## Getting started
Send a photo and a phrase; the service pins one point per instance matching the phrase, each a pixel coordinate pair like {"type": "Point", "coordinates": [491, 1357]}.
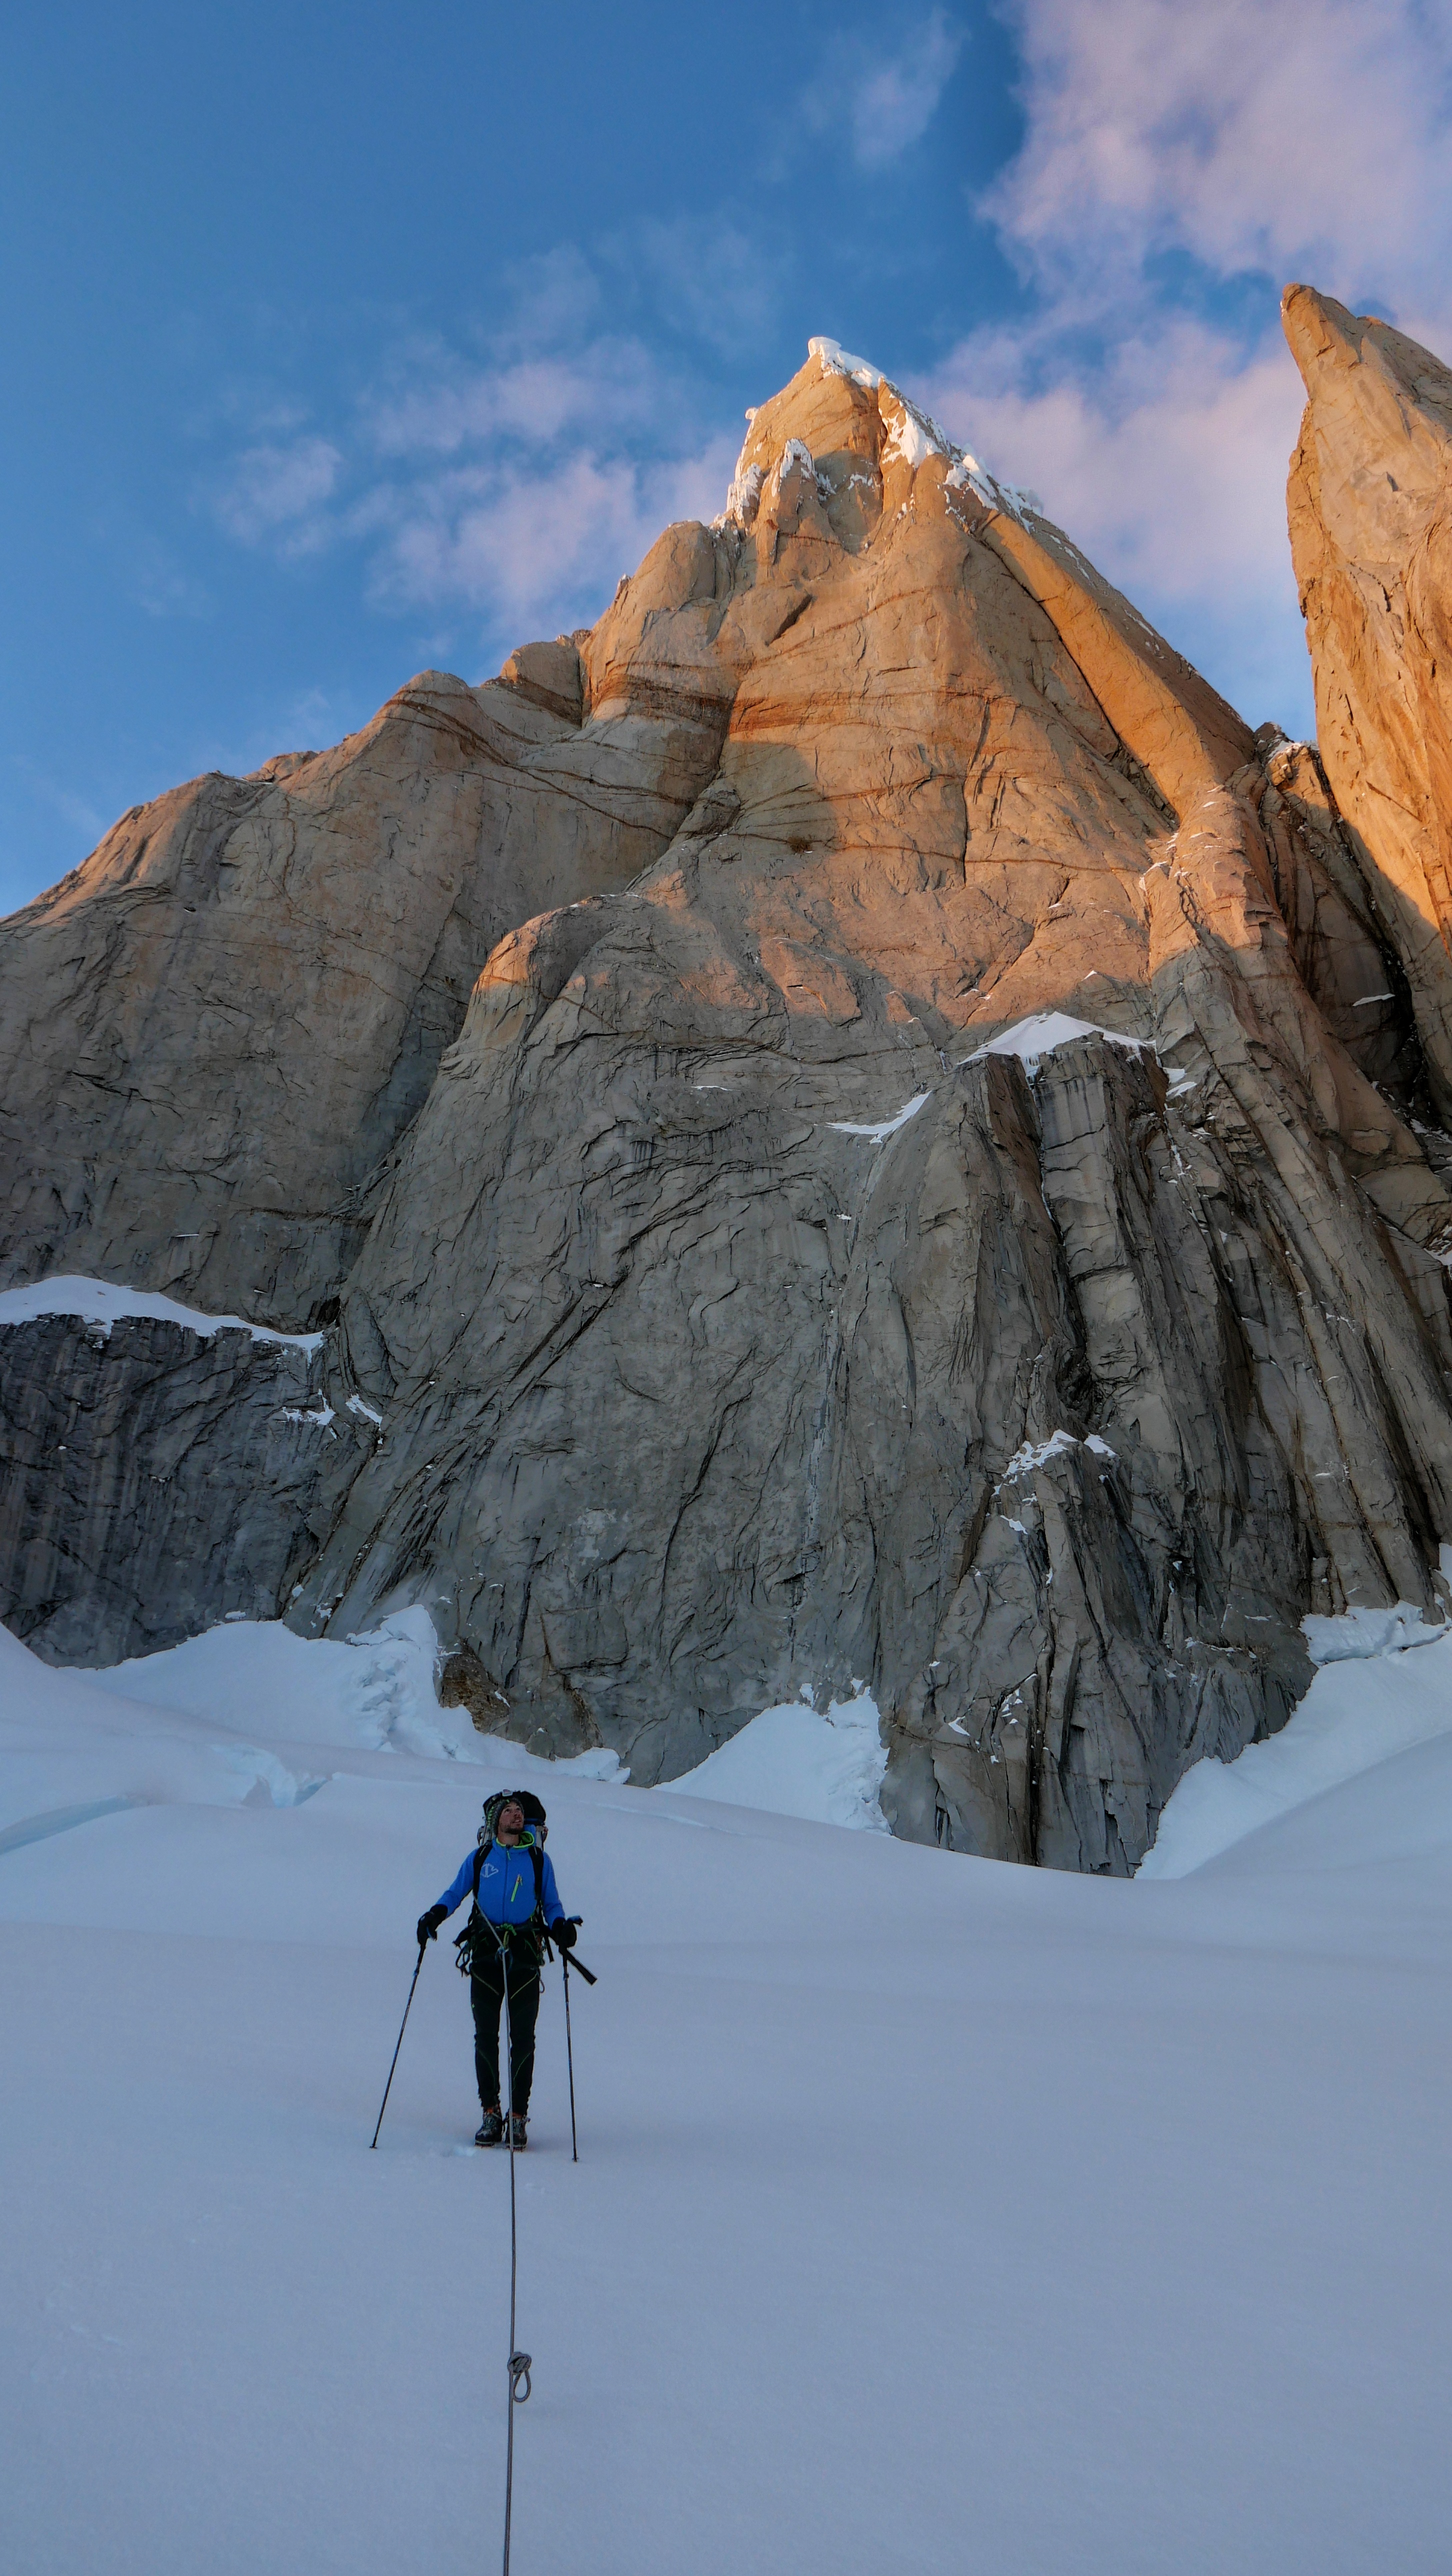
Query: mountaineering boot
{"type": "Point", "coordinates": [519, 2129]}
{"type": "Point", "coordinates": [490, 2131]}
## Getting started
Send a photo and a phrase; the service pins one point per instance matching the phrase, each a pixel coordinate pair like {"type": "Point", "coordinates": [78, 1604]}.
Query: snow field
{"type": "Point", "coordinates": [790, 1761]}
{"type": "Point", "coordinates": [931, 2213]}
{"type": "Point", "coordinates": [1372, 1698]}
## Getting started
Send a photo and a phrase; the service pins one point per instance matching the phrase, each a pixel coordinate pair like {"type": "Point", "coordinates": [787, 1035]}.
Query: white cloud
{"type": "Point", "coordinates": [516, 486]}
{"type": "Point", "coordinates": [153, 573]}
{"type": "Point", "coordinates": [276, 492]}
{"type": "Point", "coordinates": [885, 102]}
{"type": "Point", "coordinates": [894, 102]}
{"type": "Point", "coordinates": [439, 403]}
{"type": "Point", "coordinates": [708, 277]}
{"type": "Point", "coordinates": [524, 487]}
{"type": "Point", "coordinates": [537, 547]}
{"type": "Point", "coordinates": [1119, 456]}
{"type": "Point", "coordinates": [1277, 135]}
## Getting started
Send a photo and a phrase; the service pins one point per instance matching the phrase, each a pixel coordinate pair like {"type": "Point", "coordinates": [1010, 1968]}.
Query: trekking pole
{"type": "Point", "coordinates": [570, 2059]}
{"type": "Point", "coordinates": [402, 2027]}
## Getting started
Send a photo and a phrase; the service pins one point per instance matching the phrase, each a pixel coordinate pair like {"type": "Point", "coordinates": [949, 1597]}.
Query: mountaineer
{"type": "Point", "coordinates": [516, 1910]}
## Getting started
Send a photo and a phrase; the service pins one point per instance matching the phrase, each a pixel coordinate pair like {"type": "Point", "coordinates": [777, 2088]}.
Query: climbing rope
{"type": "Point", "coordinates": [520, 2363]}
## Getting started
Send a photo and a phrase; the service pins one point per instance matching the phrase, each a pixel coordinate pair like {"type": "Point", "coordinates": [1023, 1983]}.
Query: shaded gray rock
{"type": "Point", "coordinates": [1044, 1413]}
{"type": "Point", "coordinates": [154, 1480]}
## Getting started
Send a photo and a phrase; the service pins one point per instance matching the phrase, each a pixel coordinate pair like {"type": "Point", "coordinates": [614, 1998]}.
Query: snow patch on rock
{"type": "Point", "coordinates": [837, 361]}
{"type": "Point", "coordinates": [1058, 1445]}
{"type": "Point", "coordinates": [1032, 1039]}
{"type": "Point", "coordinates": [743, 497]}
{"type": "Point", "coordinates": [914, 437]}
{"type": "Point", "coordinates": [99, 1305]}
{"type": "Point", "coordinates": [1358, 1634]}
{"type": "Point", "coordinates": [879, 1134]}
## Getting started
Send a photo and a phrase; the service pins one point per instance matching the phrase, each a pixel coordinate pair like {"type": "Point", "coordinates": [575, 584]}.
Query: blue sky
{"type": "Point", "coordinates": [342, 341]}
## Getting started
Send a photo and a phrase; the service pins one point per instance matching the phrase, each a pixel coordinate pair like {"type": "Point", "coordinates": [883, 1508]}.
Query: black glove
{"type": "Point", "coordinates": [428, 1924]}
{"type": "Point", "coordinates": [563, 1933]}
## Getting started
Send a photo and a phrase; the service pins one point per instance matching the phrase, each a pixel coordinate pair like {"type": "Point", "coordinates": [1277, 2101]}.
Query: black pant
{"type": "Point", "coordinates": [486, 1991]}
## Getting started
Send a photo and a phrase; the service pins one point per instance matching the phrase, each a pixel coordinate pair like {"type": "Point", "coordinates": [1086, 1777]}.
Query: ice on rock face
{"type": "Point", "coordinates": [1030, 1040]}
{"type": "Point", "coordinates": [743, 497]}
{"type": "Point", "coordinates": [911, 439]}
{"type": "Point", "coordinates": [914, 436]}
{"type": "Point", "coordinates": [969, 476]}
{"type": "Point", "coordinates": [1060, 1444]}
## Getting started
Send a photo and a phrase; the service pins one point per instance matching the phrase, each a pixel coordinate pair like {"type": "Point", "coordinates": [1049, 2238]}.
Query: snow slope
{"type": "Point", "coordinates": [931, 2214]}
{"type": "Point", "coordinates": [790, 1761]}
{"type": "Point", "coordinates": [1385, 1682]}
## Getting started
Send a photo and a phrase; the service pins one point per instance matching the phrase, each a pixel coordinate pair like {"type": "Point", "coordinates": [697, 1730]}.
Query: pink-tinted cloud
{"type": "Point", "coordinates": [530, 545]}
{"type": "Point", "coordinates": [1282, 135]}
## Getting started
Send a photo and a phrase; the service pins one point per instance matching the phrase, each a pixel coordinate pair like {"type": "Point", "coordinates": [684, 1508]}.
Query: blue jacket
{"type": "Point", "coordinates": [506, 1885]}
